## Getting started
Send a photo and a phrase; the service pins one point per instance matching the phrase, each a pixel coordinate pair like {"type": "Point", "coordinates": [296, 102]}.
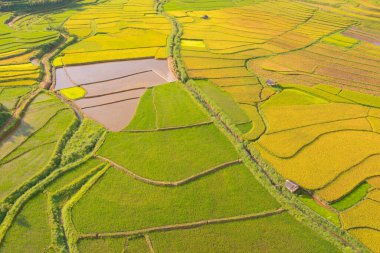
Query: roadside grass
{"type": "Point", "coordinates": [73, 93]}
{"type": "Point", "coordinates": [352, 198]}
{"type": "Point", "coordinates": [278, 233]}
{"type": "Point", "coordinates": [169, 155]}
{"type": "Point", "coordinates": [322, 211]}
{"type": "Point", "coordinates": [229, 192]}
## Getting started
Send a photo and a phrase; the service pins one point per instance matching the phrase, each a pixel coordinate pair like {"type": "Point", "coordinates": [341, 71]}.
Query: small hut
{"type": "Point", "coordinates": [291, 186]}
{"type": "Point", "coordinates": [205, 17]}
{"type": "Point", "coordinates": [271, 82]}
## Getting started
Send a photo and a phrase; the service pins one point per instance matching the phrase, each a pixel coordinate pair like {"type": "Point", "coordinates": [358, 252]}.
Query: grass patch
{"type": "Point", "coordinates": [228, 192]}
{"type": "Point", "coordinates": [169, 155]}
{"type": "Point", "coordinates": [279, 233]}
{"type": "Point", "coordinates": [322, 211]}
{"type": "Point", "coordinates": [352, 198]}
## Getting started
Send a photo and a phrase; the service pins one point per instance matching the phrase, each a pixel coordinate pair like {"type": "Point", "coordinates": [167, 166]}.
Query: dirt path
{"type": "Point", "coordinates": [169, 128]}
{"type": "Point", "coordinates": [166, 183]}
{"type": "Point", "coordinates": [184, 225]}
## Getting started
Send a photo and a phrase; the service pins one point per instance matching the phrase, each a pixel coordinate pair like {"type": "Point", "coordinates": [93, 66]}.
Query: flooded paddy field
{"type": "Point", "coordinates": [113, 89]}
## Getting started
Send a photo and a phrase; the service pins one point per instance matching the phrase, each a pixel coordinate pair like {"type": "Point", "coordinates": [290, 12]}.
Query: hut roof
{"type": "Point", "coordinates": [291, 186]}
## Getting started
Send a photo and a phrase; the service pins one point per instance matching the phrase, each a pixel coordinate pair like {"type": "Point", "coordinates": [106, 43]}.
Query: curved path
{"type": "Point", "coordinates": [184, 225]}
{"type": "Point", "coordinates": [166, 183]}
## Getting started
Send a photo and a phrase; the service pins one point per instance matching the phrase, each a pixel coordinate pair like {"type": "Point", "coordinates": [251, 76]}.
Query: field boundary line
{"type": "Point", "coordinates": [33, 134]}
{"type": "Point", "coordinates": [166, 183]}
{"type": "Point", "coordinates": [110, 103]}
{"type": "Point", "coordinates": [169, 128]}
{"type": "Point", "coordinates": [101, 81]}
{"type": "Point", "coordinates": [155, 109]}
{"type": "Point", "coordinates": [184, 225]}
{"type": "Point", "coordinates": [149, 242]}
{"type": "Point", "coordinates": [115, 92]}
{"type": "Point", "coordinates": [346, 171]}
{"type": "Point", "coordinates": [306, 145]}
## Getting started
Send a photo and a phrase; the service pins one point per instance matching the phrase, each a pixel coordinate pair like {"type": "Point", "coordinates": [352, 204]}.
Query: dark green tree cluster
{"type": "Point", "coordinates": [5, 114]}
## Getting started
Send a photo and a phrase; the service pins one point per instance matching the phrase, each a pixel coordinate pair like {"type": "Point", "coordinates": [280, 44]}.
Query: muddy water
{"type": "Point", "coordinates": [114, 117]}
{"type": "Point", "coordinates": [113, 89]}
{"type": "Point", "coordinates": [101, 72]}
{"type": "Point", "coordinates": [143, 80]}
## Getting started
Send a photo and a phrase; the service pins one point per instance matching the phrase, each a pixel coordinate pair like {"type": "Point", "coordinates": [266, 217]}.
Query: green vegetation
{"type": "Point", "coordinates": [4, 114]}
{"type": "Point", "coordinates": [229, 192]}
{"type": "Point", "coordinates": [169, 155]}
{"type": "Point", "coordinates": [82, 142]}
{"type": "Point", "coordinates": [352, 198]}
{"type": "Point", "coordinates": [68, 185]}
{"type": "Point", "coordinates": [250, 236]}
{"type": "Point", "coordinates": [145, 117]}
{"type": "Point", "coordinates": [223, 100]}
{"type": "Point", "coordinates": [176, 107]}
{"type": "Point", "coordinates": [323, 211]}
{"type": "Point", "coordinates": [109, 245]}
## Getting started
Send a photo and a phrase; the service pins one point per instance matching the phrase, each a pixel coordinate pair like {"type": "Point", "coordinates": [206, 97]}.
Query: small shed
{"type": "Point", "coordinates": [205, 17]}
{"type": "Point", "coordinates": [271, 82]}
{"type": "Point", "coordinates": [291, 186]}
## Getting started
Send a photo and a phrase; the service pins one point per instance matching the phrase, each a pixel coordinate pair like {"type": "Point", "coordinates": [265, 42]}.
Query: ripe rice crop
{"type": "Point", "coordinates": [350, 179]}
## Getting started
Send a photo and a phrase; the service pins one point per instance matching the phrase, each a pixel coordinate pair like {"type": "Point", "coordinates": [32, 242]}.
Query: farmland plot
{"type": "Point", "coordinates": [106, 89]}
{"type": "Point", "coordinates": [316, 127]}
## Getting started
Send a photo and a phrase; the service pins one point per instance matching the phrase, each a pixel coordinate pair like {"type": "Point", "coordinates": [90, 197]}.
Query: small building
{"type": "Point", "coordinates": [271, 82]}
{"type": "Point", "coordinates": [291, 186]}
{"type": "Point", "coordinates": [205, 17]}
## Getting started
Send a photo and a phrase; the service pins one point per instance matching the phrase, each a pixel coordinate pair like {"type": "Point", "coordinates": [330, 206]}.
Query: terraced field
{"type": "Point", "coordinates": [172, 126]}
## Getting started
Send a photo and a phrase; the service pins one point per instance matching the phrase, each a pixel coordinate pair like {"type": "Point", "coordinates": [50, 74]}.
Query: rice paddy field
{"type": "Point", "coordinates": [176, 126]}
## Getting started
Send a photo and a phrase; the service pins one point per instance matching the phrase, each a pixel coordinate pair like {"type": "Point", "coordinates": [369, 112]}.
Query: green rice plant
{"type": "Point", "coordinates": [229, 192]}
{"type": "Point", "coordinates": [10, 96]}
{"type": "Point", "coordinates": [145, 116]}
{"type": "Point", "coordinates": [257, 235]}
{"type": "Point", "coordinates": [175, 107]}
{"type": "Point", "coordinates": [138, 244]}
{"type": "Point", "coordinates": [352, 198]}
{"type": "Point", "coordinates": [323, 211]}
{"type": "Point", "coordinates": [30, 230]}
{"type": "Point", "coordinates": [169, 155]}
{"type": "Point", "coordinates": [111, 245]}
